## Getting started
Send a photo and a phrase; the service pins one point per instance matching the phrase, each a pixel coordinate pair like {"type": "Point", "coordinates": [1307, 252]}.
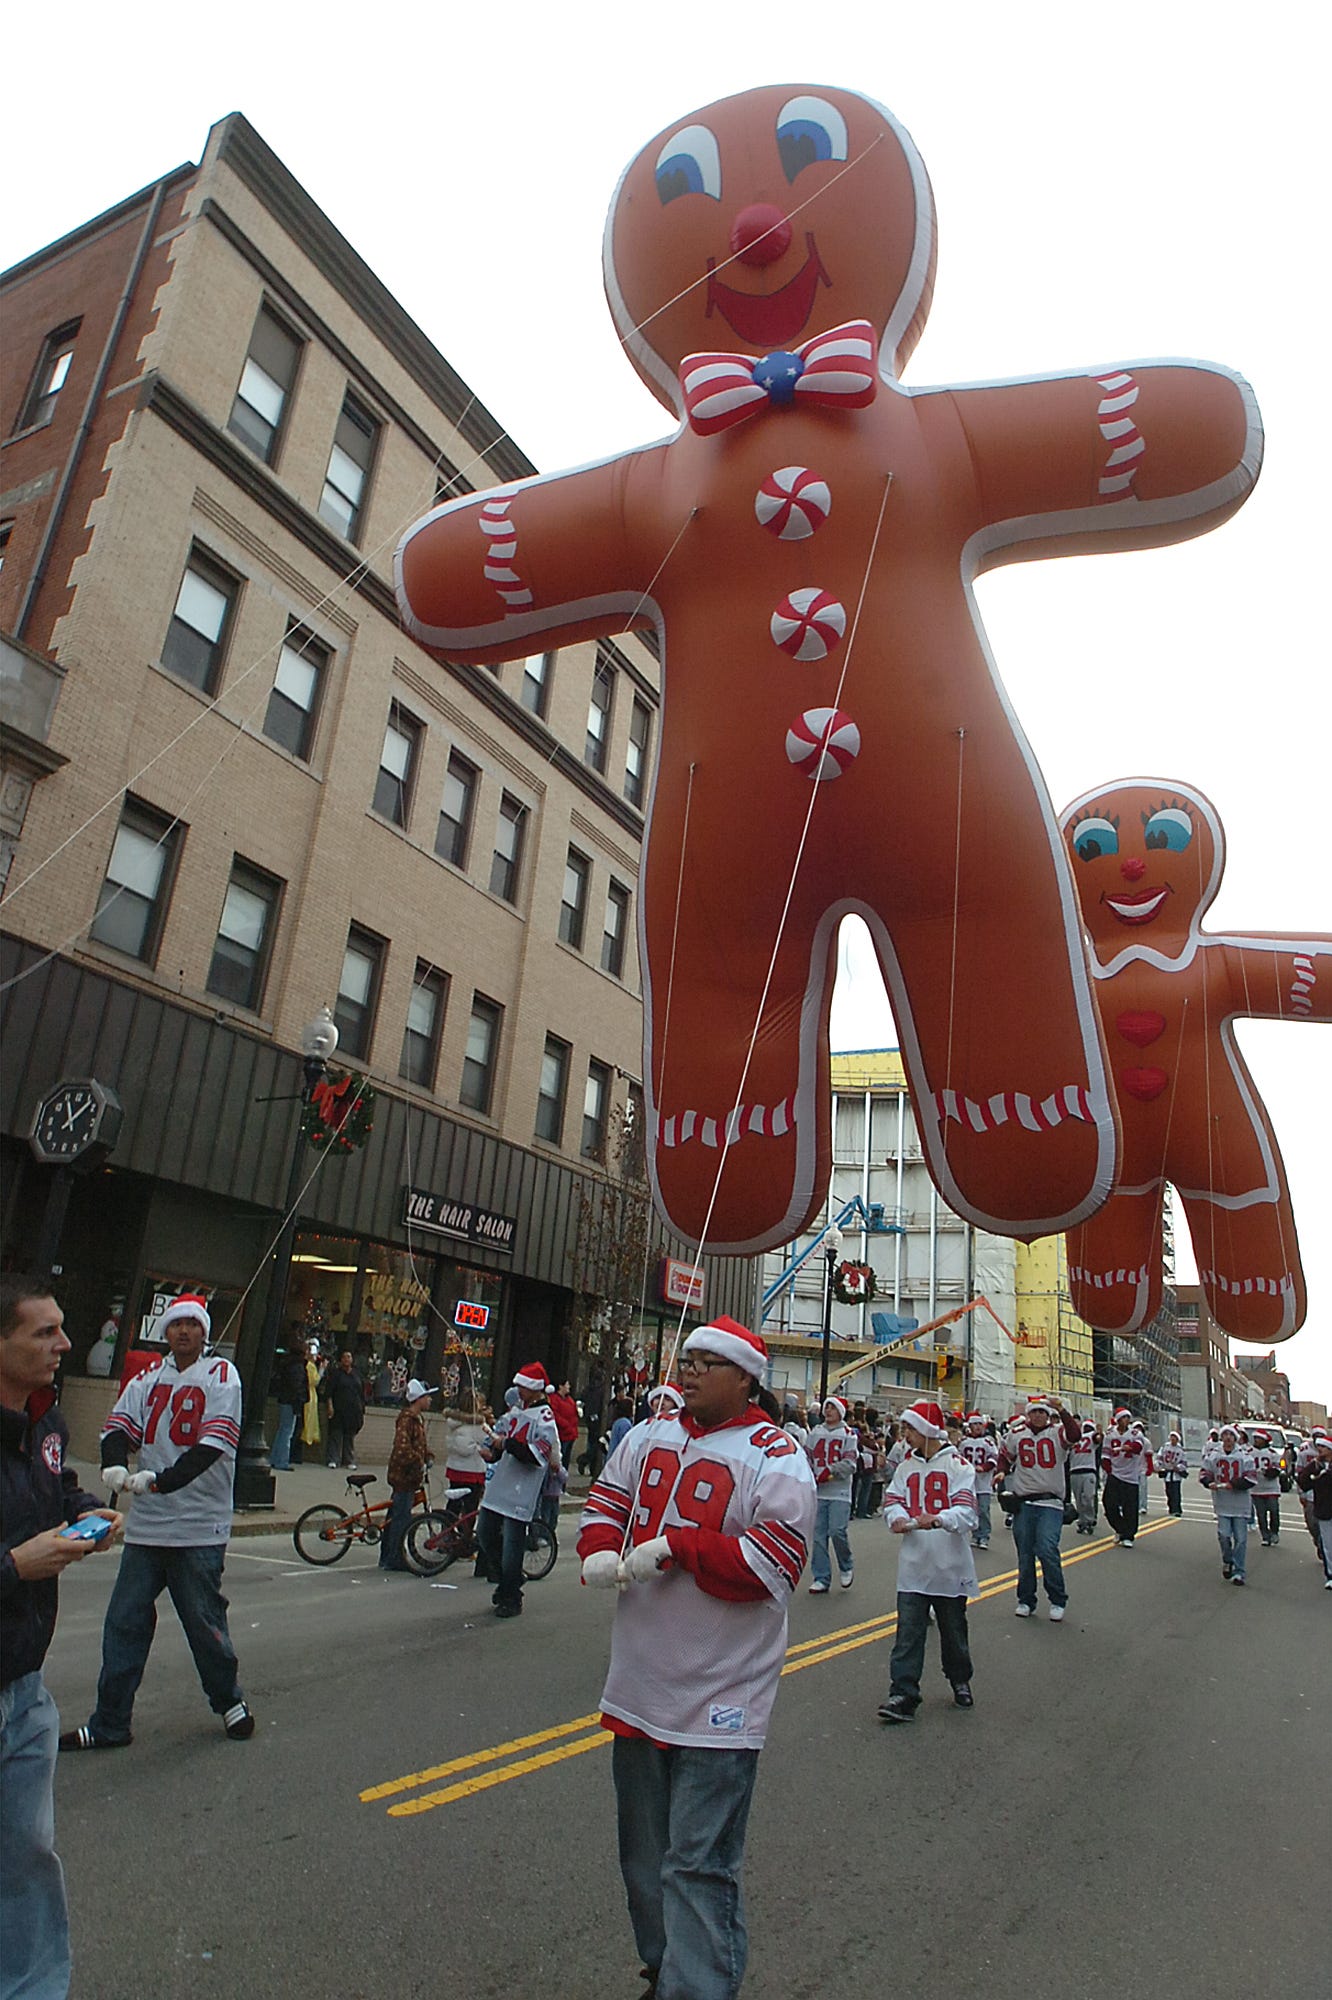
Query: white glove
{"type": "Point", "coordinates": [114, 1477]}
{"type": "Point", "coordinates": [601, 1570]}
{"type": "Point", "coordinates": [647, 1560]}
{"type": "Point", "coordinates": [140, 1482]}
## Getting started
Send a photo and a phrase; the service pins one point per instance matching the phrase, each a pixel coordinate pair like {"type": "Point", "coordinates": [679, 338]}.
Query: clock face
{"type": "Point", "coordinates": [67, 1122]}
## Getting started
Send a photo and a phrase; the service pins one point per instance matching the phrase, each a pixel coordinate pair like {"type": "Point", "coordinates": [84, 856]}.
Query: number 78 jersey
{"type": "Point", "coordinates": [163, 1413]}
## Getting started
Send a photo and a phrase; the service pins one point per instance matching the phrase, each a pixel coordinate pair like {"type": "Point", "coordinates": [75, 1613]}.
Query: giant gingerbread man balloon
{"type": "Point", "coordinates": [1147, 858]}
{"type": "Point", "coordinates": [834, 734]}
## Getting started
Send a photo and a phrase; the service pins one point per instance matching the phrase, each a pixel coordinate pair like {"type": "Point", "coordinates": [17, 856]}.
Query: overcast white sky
{"type": "Point", "coordinates": [1110, 186]}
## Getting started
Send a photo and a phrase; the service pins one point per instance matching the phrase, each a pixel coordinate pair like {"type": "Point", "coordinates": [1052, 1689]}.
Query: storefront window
{"type": "Point", "coordinates": [394, 1321]}
{"type": "Point", "coordinates": [322, 1292]}
{"type": "Point", "coordinates": [468, 1352]}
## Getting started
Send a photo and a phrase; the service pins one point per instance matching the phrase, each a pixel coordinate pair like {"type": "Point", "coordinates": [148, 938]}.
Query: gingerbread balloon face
{"type": "Point", "coordinates": [834, 737]}
{"type": "Point", "coordinates": [1147, 859]}
{"type": "Point", "coordinates": [762, 218]}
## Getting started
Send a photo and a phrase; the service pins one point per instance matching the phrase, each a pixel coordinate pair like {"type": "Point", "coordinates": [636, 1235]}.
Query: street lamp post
{"type": "Point", "coordinates": [832, 1249]}
{"type": "Point", "coordinates": [256, 1485]}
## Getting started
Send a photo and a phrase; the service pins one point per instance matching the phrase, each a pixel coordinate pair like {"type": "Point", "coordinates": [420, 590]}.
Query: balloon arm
{"type": "Point", "coordinates": [544, 563]}
{"type": "Point", "coordinates": [1286, 978]}
{"type": "Point", "coordinates": [1186, 435]}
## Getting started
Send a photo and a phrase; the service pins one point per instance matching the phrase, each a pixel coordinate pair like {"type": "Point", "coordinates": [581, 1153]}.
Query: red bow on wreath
{"type": "Point", "coordinates": [332, 1101]}
{"type": "Point", "coordinates": [854, 1284]}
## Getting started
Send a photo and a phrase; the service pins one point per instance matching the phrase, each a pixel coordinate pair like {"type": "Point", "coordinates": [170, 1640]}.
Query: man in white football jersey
{"type": "Point", "coordinates": [1084, 1475]}
{"type": "Point", "coordinates": [523, 1446]}
{"type": "Point", "coordinates": [1228, 1469]}
{"type": "Point", "coordinates": [1034, 1464]}
{"type": "Point", "coordinates": [1172, 1462]}
{"type": "Point", "coordinates": [833, 1449]}
{"type": "Point", "coordinates": [981, 1452]}
{"type": "Point", "coordinates": [704, 1521]}
{"type": "Point", "coordinates": [1267, 1488]}
{"type": "Point", "coordinates": [1126, 1460]}
{"type": "Point", "coordinates": [931, 1504]}
{"type": "Point", "coordinates": [182, 1418]}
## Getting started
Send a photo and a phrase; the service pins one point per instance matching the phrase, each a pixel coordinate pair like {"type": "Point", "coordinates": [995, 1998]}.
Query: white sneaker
{"type": "Point", "coordinates": [818, 1590]}
{"type": "Point", "coordinates": [846, 1578]}
{"type": "Point", "coordinates": [1056, 1613]}
{"type": "Point", "coordinates": [1022, 1611]}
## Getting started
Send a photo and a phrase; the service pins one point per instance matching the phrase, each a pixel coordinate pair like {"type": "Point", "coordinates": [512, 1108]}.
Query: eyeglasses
{"type": "Point", "coordinates": [702, 1364]}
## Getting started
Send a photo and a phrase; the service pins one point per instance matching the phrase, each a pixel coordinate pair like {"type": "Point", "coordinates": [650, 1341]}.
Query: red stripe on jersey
{"type": "Point", "coordinates": [613, 1498]}
{"type": "Point", "coordinates": [782, 1559]}
{"type": "Point", "coordinates": [121, 1422]}
{"type": "Point", "coordinates": [785, 1537]}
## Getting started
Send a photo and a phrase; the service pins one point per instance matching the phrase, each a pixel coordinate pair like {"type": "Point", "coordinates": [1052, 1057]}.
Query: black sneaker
{"type": "Point", "coordinates": [963, 1697]}
{"type": "Point", "coordinates": [83, 1739]}
{"type": "Point", "coordinates": [238, 1721]}
{"type": "Point", "coordinates": [1227, 1572]}
{"type": "Point", "coordinates": [897, 1709]}
{"type": "Point", "coordinates": [508, 1610]}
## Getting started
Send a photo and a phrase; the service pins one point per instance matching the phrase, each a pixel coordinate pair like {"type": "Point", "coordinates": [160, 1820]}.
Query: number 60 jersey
{"type": "Point", "coordinates": [164, 1413]}
{"type": "Point", "coordinates": [696, 1651]}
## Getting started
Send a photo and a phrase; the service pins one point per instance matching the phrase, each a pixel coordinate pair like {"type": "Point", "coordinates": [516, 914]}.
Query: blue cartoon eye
{"type": "Point", "coordinates": [1170, 828]}
{"type": "Point", "coordinates": [808, 129]}
{"type": "Point", "coordinates": [1095, 837]}
{"type": "Point", "coordinates": [689, 163]}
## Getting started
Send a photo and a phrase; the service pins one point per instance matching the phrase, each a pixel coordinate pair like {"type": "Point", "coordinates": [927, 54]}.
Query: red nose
{"type": "Point", "coordinates": [760, 234]}
{"type": "Point", "coordinates": [1132, 869]}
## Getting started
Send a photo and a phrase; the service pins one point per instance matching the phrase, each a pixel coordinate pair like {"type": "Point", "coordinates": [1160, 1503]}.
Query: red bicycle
{"type": "Point", "coordinates": [436, 1539]}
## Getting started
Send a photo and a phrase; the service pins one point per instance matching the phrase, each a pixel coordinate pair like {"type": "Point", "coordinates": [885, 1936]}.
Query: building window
{"type": "Point", "coordinates": [534, 692]}
{"type": "Point", "coordinates": [197, 635]}
{"type": "Point", "coordinates": [294, 702]}
{"type": "Point", "coordinates": [636, 761]}
{"type": "Point", "coordinates": [265, 385]}
{"type": "Point", "coordinates": [425, 1021]}
{"type": "Point", "coordinates": [397, 766]}
{"type": "Point", "coordinates": [599, 716]}
{"type": "Point", "coordinates": [507, 861]}
{"type": "Point", "coordinates": [617, 929]}
{"type": "Point", "coordinates": [551, 1091]}
{"type": "Point", "coordinates": [573, 909]}
{"type": "Point", "coordinates": [478, 1072]}
{"type": "Point", "coordinates": [52, 369]}
{"type": "Point", "coordinates": [596, 1107]}
{"type": "Point", "coordinates": [358, 992]}
{"type": "Point", "coordinates": [132, 905]}
{"type": "Point", "coordinates": [245, 936]}
{"type": "Point", "coordinates": [6, 530]}
{"type": "Point", "coordinates": [453, 835]}
{"type": "Point", "coordinates": [342, 501]}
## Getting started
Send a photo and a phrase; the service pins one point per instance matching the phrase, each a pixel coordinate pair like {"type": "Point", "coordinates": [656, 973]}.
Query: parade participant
{"type": "Point", "coordinates": [1172, 1462]}
{"type": "Point", "coordinates": [1139, 1430]}
{"type": "Point", "coordinates": [40, 1500]}
{"type": "Point", "coordinates": [464, 1432]}
{"type": "Point", "coordinates": [406, 1469]}
{"type": "Point", "coordinates": [522, 1448]}
{"type": "Point", "coordinates": [1126, 1461]}
{"type": "Point", "coordinates": [1314, 1480]}
{"type": "Point", "coordinates": [718, 1507]}
{"type": "Point", "coordinates": [182, 1418]}
{"type": "Point", "coordinates": [931, 1504]}
{"type": "Point", "coordinates": [834, 1452]}
{"type": "Point", "coordinates": [1305, 1456]}
{"type": "Point", "coordinates": [982, 1455]}
{"type": "Point", "coordinates": [1267, 1488]}
{"type": "Point", "coordinates": [1034, 1462]}
{"type": "Point", "coordinates": [1228, 1469]}
{"type": "Point", "coordinates": [666, 1400]}
{"type": "Point", "coordinates": [1084, 1475]}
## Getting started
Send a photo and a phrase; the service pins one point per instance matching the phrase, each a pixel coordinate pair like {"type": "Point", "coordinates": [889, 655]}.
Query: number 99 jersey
{"type": "Point", "coordinates": [164, 1413]}
{"type": "Point", "coordinates": [689, 1665]}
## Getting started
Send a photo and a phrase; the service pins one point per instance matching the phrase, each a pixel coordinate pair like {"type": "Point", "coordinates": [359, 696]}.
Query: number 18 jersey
{"type": "Point", "coordinates": [163, 1413]}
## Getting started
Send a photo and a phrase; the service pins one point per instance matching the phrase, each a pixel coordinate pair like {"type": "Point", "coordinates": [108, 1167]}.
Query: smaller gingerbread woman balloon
{"type": "Point", "coordinates": [1147, 858]}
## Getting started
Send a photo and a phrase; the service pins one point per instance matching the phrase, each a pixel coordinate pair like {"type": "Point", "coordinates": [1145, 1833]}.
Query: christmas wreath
{"type": "Point", "coordinates": [339, 1116]}
{"type": "Point", "coordinates": [853, 1284]}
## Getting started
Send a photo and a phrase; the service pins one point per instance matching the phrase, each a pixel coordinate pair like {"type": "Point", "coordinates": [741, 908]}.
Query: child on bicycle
{"type": "Point", "coordinates": [406, 1469]}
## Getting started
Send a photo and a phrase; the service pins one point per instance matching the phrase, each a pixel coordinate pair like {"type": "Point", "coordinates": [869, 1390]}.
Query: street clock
{"type": "Point", "coordinates": [77, 1118]}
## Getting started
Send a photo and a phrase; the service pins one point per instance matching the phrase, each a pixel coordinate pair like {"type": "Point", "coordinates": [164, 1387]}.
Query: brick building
{"type": "Point", "coordinates": [235, 792]}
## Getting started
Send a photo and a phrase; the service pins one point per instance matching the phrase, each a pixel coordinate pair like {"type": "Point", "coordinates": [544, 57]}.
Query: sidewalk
{"type": "Point", "coordinates": [315, 1485]}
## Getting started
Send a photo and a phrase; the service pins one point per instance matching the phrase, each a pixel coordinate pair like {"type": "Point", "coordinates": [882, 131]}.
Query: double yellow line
{"type": "Point", "coordinates": [809, 1653]}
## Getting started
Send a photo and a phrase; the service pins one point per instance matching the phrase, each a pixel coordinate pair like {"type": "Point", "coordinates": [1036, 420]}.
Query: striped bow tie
{"type": "Point", "coordinates": [835, 370]}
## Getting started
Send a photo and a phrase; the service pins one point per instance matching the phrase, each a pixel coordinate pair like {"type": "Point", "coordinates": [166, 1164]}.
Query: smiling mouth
{"type": "Point", "coordinates": [1137, 909]}
{"type": "Point", "coordinates": [766, 319]}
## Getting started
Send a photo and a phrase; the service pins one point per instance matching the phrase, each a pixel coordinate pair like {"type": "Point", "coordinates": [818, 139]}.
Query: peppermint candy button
{"type": "Point", "coordinates": [808, 623]}
{"type": "Point", "coordinates": [792, 503]}
{"type": "Point", "coordinates": [823, 743]}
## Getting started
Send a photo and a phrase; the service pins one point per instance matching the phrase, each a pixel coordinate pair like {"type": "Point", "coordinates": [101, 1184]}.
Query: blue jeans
{"type": "Point", "coordinates": [913, 1624]}
{"type": "Point", "coordinates": [982, 1534]}
{"type": "Point", "coordinates": [34, 1919]}
{"type": "Point", "coordinates": [682, 1815]}
{"type": "Point", "coordinates": [1267, 1509]}
{"type": "Point", "coordinates": [1036, 1532]}
{"type": "Point", "coordinates": [280, 1456]}
{"type": "Point", "coordinates": [1232, 1531]}
{"type": "Point", "coordinates": [395, 1530]}
{"type": "Point", "coordinates": [193, 1580]}
{"type": "Point", "coordinates": [830, 1518]}
{"type": "Point", "coordinates": [500, 1544]}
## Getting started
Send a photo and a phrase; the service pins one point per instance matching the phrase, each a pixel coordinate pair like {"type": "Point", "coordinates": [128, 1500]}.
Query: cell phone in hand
{"type": "Point", "coordinates": [94, 1529]}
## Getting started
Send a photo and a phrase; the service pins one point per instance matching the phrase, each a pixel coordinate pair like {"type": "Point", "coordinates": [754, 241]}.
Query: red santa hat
{"type": "Point", "coordinates": [533, 1376]}
{"type": "Point", "coordinates": [187, 1306]}
{"type": "Point", "coordinates": [730, 1341]}
{"type": "Point", "coordinates": [665, 1399]}
{"type": "Point", "coordinates": [1088, 1427]}
{"type": "Point", "coordinates": [927, 1418]}
{"type": "Point", "coordinates": [836, 1403]}
{"type": "Point", "coordinates": [1123, 1413]}
{"type": "Point", "coordinates": [1261, 1437]}
{"type": "Point", "coordinates": [1231, 1430]}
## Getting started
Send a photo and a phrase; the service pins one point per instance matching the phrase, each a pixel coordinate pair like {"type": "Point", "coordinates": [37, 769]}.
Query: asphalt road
{"type": "Point", "coordinates": [1137, 1796]}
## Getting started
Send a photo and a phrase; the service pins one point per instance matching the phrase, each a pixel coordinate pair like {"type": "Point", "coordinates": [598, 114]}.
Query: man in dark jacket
{"type": "Point", "coordinates": [343, 1395]}
{"type": "Point", "coordinates": [39, 1499]}
{"type": "Point", "coordinates": [293, 1388]}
